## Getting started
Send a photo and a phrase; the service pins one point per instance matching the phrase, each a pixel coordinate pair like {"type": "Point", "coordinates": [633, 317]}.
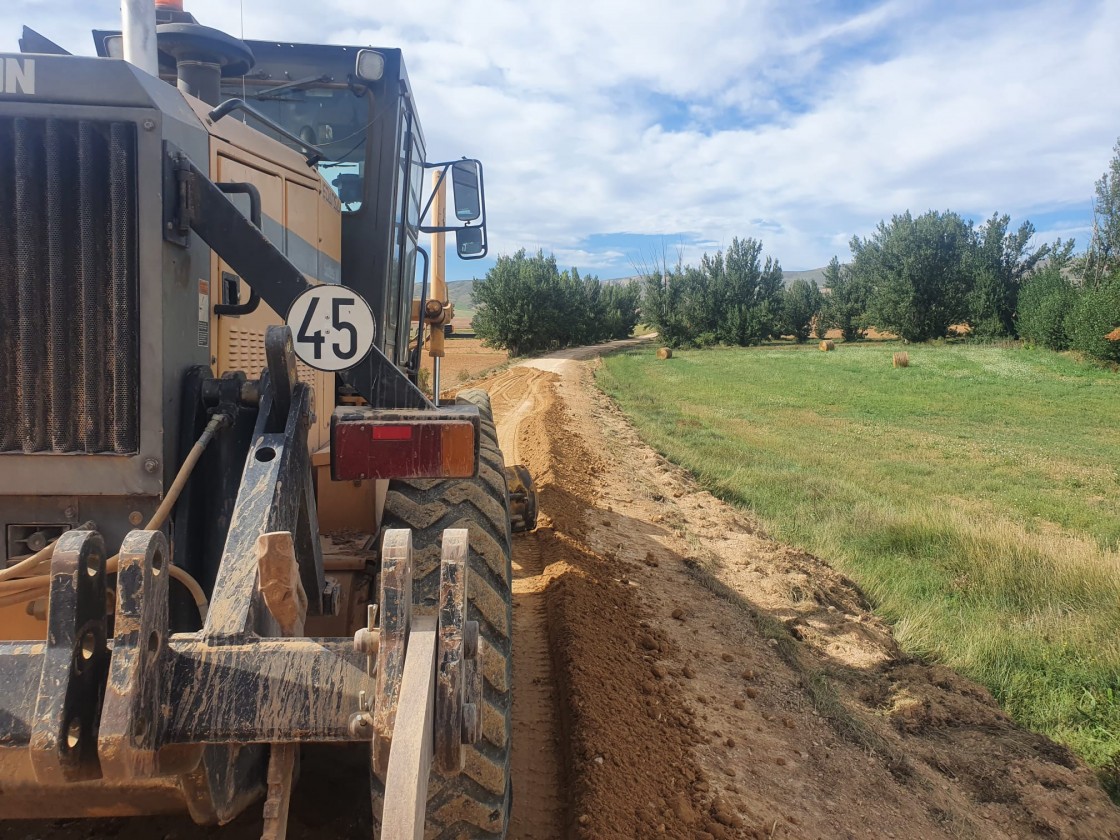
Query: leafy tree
{"type": "Point", "coordinates": [513, 301]}
{"type": "Point", "coordinates": [673, 303]}
{"type": "Point", "coordinates": [577, 303]}
{"type": "Point", "coordinates": [801, 303]}
{"type": "Point", "coordinates": [619, 305]}
{"type": "Point", "coordinates": [1061, 254]}
{"type": "Point", "coordinates": [526, 304]}
{"type": "Point", "coordinates": [820, 326]}
{"type": "Point", "coordinates": [845, 305]}
{"type": "Point", "coordinates": [1045, 302]}
{"type": "Point", "coordinates": [733, 298]}
{"type": "Point", "coordinates": [1094, 315]}
{"type": "Point", "coordinates": [1101, 265]}
{"type": "Point", "coordinates": [917, 270]}
{"type": "Point", "coordinates": [999, 260]}
{"type": "Point", "coordinates": [747, 300]}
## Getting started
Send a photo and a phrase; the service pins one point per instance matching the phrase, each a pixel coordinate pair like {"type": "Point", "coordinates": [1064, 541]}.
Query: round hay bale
{"type": "Point", "coordinates": [902, 359]}
{"type": "Point", "coordinates": [827, 345]}
{"type": "Point", "coordinates": [665, 353]}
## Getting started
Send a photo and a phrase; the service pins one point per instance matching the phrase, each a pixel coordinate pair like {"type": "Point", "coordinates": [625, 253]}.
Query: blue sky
{"type": "Point", "coordinates": [616, 134]}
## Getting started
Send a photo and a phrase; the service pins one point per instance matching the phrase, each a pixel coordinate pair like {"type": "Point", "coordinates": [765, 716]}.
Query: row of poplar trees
{"type": "Point", "coordinates": [918, 277]}
{"type": "Point", "coordinates": [915, 277]}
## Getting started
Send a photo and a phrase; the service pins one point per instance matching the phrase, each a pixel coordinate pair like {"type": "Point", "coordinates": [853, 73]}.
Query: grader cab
{"type": "Point", "coordinates": [231, 522]}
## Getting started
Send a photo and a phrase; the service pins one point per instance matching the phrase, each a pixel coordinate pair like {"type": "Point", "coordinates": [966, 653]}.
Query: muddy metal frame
{"type": "Point", "coordinates": [201, 707]}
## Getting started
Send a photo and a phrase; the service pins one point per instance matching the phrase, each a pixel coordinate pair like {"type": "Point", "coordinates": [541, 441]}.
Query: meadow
{"type": "Point", "coordinates": [974, 496]}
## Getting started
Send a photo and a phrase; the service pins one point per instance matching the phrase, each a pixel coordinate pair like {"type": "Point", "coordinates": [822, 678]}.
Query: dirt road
{"type": "Point", "coordinates": [679, 674]}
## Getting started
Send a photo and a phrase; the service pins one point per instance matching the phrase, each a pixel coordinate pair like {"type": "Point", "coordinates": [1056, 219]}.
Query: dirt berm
{"type": "Point", "coordinates": [691, 678]}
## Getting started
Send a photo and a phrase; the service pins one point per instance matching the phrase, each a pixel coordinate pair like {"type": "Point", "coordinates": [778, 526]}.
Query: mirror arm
{"type": "Point", "coordinates": [446, 229]}
{"type": "Point", "coordinates": [432, 197]}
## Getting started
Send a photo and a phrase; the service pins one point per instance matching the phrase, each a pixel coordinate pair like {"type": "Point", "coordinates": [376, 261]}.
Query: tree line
{"type": "Point", "coordinates": [733, 297]}
{"type": "Point", "coordinates": [1074, 303]}
{"type": "Point", "coordinates": [917, 277]}
{"type": "Point", "coordinates": [527, 305]}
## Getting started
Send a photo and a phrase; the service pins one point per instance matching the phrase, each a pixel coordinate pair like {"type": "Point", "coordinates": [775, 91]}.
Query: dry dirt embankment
{"type": "Point", "coordinates": [679, 674]}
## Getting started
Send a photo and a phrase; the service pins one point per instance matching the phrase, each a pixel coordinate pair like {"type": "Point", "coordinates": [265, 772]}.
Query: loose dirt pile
{"type": "Point", "coordinates": [705, 681]}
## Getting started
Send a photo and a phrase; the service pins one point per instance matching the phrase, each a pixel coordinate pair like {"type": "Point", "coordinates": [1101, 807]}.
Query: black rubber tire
{"type": "Point", "coordinates": [476, 803]}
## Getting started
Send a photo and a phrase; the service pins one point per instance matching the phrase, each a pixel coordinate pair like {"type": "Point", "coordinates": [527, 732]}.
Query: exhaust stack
{"type": "Point", "coordinates": [138, 26]}
{"type": "Point", "coordinates": [203, 56]}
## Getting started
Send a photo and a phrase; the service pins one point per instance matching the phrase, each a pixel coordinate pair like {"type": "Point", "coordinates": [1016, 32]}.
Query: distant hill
{"type": "Point", "coordinates": [459, 293]}
{"type": "Point", "coordinates": [812, 274]}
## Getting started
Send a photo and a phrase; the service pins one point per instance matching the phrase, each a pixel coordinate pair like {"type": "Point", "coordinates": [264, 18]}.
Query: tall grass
{"type": "Point", "coordinates": [974, 496]}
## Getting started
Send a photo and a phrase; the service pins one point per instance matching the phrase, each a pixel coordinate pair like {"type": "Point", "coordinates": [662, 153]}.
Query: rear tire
{"type": "Point", "coordinates": [476, 803]}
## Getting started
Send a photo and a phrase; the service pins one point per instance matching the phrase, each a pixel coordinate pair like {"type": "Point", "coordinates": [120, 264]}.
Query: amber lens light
{"type": "Point", "coordinates": [458, 450]}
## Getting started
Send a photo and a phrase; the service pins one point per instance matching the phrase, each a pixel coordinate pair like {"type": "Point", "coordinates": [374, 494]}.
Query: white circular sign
{"type": "Point", "coordinates": [332, 327]}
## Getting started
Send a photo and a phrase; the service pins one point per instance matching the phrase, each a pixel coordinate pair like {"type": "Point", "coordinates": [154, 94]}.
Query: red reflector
{"type": "Point", "coordinates": [392, 433]}
{"type": "Point", "coordinates": [404, 443]}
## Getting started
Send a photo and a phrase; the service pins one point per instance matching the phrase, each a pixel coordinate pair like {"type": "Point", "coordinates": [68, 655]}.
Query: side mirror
{"type": "Point", "coordinates": [469, 198]}
{"type": "Point", "coordinates": [464, 183]}
{"type": "Point", "coordinates": [470, 243]}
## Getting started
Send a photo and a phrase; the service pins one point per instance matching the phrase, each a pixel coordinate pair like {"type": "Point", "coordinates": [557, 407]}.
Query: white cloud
{"type": "Point", "coordinates": [670, 119]}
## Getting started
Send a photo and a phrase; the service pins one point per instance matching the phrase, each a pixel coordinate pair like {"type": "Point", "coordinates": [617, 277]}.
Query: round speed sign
{"type": "Point", "coordinates": [332, 327]}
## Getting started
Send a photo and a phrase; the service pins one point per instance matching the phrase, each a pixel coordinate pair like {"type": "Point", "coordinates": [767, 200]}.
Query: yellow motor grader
{"type": "Point", "coordinates": [231, 523]}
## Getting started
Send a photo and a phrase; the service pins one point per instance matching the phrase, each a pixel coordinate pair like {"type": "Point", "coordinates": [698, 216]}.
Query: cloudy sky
{"type": "Point", "coordinates": [616, 134]}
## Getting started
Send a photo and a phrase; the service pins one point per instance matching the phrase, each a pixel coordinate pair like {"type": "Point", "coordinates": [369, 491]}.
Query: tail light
{"type": "Point", "coordinates": [404, 443]}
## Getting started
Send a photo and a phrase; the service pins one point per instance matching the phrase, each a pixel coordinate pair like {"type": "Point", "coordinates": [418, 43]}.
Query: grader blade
{"type": "Point", "coordinates": [430, 681]}
{"type": "Point", "coordinates": [522, 498]}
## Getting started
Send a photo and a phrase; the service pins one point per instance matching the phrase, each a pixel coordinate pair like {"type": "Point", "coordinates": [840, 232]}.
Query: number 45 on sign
{"type": "Point", "coordinates": [332, 327]}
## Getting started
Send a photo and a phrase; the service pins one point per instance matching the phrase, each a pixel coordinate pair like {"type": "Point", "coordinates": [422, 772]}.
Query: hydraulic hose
{"type": "Point", "coordinates": [18, 587]}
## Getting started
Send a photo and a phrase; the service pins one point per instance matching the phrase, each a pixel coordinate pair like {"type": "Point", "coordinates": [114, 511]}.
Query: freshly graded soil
{"type": "Point", "coordinates": [706, 681]}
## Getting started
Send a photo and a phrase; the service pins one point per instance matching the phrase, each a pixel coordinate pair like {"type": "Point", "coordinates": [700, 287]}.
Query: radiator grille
{"type": "Point", "coordinates": [69, 363]}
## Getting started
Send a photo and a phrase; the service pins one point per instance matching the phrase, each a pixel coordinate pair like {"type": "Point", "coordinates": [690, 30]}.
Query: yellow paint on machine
{"type": "Point", "coordinates": [307, 210]}
{"type": "Point", "coordinates": [293, 195]}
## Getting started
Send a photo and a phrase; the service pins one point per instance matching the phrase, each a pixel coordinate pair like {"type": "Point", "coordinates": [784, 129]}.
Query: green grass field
{"type": "Point", "coordinates": [975, 496]}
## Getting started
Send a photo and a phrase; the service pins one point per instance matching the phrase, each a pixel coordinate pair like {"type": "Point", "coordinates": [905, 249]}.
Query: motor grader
{"type": "Point", "coordinates": [231, 522]}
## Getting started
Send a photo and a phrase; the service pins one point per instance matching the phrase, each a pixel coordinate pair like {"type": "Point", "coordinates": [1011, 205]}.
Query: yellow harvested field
{"type": "Point", "coordinates": [467, 359]}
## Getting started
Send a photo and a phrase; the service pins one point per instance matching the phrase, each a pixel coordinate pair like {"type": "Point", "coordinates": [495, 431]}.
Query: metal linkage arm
{"type": "Point", "coordinates": [203, 207]}
{"type": "Point", "coordinates": [276, 495]}
{"type": "Point", "coordinates": [208, 212]}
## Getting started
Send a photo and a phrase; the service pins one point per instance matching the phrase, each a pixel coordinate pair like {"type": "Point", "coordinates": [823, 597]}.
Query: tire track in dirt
{"type": "Point", "coordinates": [612, 722]}
{"type": "Point", "coordinates": [536, 764]}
